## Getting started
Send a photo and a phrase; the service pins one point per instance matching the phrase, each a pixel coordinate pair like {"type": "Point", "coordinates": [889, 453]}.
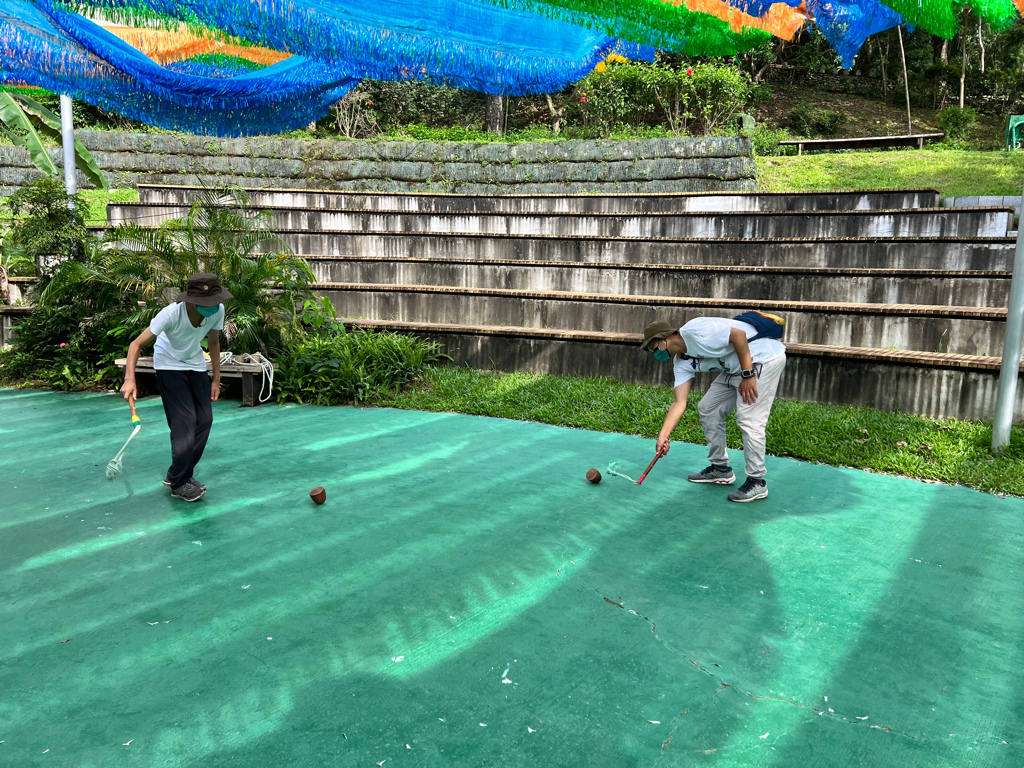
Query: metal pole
{"type": "Point", "coordinates": [1010, 368]}
{"type": "Point", "coordinates": [67, 131]}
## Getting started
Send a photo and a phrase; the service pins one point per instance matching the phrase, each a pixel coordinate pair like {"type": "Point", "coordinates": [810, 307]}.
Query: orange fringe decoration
{"type": "Point", "coordinates": [781, 20]}
{"type": "Point", "coordinates": [166, 46]}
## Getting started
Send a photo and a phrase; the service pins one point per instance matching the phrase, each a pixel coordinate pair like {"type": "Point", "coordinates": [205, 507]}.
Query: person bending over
{"type": "Point", "coordinates": [751, 367]}
{"type": "Point", "coordinates": [185, 386]}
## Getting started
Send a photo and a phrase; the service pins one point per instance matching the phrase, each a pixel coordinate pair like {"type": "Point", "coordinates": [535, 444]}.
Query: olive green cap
{"type": "Point", "coordinates": [656, 331]}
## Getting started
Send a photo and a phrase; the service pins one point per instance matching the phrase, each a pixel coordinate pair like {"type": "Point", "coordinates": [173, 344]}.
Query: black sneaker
{"type": "Point", "coordinates": [755, 488]}
{"type": "Point", "coordinates": [189, 491]}
{"type": "Point", "coordinates": [167, 482]}
{"type": "Point", "coordinates": [713, 474]}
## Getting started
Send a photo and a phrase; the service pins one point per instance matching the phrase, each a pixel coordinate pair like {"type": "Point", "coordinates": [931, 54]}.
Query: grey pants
{"type": "Point", "coordinates": [722, 396]}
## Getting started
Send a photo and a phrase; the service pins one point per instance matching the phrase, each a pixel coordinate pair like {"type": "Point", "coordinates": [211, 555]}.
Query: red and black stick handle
{"type": "Point", "coordinates": [649, 467]}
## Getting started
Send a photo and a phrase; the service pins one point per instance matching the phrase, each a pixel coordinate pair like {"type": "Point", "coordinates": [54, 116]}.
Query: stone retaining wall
{"type": "Point", "coordinates": [1010, 201]}
{"type": "Point", "coordinates": [707, 164]}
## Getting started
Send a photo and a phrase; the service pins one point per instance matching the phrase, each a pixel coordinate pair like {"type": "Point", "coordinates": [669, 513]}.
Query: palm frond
{"type": "Point", "coordinates": [219, 234]}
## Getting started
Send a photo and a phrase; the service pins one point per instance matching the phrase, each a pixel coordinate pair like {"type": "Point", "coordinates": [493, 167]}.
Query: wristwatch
{"type": "Point", "coordinates": [748, 374]}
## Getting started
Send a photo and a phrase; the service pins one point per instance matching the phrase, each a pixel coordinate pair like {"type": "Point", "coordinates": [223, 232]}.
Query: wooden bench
{"type": "Point", "coordinates": [247, 372]}
{"type": "Point", "coordinates": [865, 142]}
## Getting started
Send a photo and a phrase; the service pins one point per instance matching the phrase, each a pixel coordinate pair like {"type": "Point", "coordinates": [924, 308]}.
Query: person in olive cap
{"type": "Point", "coordinates": [185, 386]}
{"type": "Point", "coordinates": [750, 376]}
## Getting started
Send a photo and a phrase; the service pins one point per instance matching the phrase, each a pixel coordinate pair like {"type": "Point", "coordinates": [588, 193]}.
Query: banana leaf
{"type": "Point", "coordinates": [12, 115]}
{"type": "Point", "coordinates": [48, 123]}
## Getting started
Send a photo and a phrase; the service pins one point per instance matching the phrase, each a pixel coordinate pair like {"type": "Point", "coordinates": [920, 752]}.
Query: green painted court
{"type": "Point", "coordinates": [466, 598]}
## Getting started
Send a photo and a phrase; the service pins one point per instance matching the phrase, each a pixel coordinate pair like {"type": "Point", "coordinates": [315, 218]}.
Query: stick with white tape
{"type": "Point", "coordinates": [114, 467]}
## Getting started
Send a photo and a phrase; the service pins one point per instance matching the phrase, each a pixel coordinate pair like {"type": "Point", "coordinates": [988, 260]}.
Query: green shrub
{"type": "Point", "coordinates": [13, 263]}
{"type": "Point", "coordinates": [46, 224]}
{"type": "Point", "coordinates": [71, 346]}
{"type": "Point", "coordinates": [698, 99]}
{"type": "Point", "coordinates": [219, 235]}
{"type": "Point", "coordinates": [810, 121]}
{"type": "Point", "coordinates": [717, 94]}
{"type": "Point", "coordinates": [956, 123]}
{"type": "Point", "coordinates": [397, 103]}
{"type": "Point", "coordinates": [421, 132]}
{"type": "Point", "coordinates": [766, 141]}
{"type": "Point", "coordinates": [532, 133]}
{"type": "Point", "coordinates": [90, 307]}
{"type": "Point", "coordinates": [605, 100]}
{"type": "Point", "coordinates": [335, 366]}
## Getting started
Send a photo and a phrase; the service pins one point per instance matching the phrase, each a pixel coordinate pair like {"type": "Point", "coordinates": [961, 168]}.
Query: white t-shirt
{"type": "Point", "coordinates": [177, 340]}
{"type": "Point", "coordinates": [708, 348]}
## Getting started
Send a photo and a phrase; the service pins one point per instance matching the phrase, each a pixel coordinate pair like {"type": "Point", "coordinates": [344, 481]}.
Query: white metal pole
{"type": "Point", "coordinates": [67, 131]}
{"type": "Point", "coordinates": [1010, 367]}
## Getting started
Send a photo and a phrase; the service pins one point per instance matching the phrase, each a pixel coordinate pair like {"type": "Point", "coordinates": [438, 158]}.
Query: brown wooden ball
{"type": "Point", "coordinates": [593, 476]}
{"type": "Point", "coordinates": [318, 494]}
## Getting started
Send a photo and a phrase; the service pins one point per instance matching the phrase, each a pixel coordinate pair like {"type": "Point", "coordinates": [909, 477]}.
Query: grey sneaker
{"type": "Point", "coordinates": [167, 482]}
{"type": "Point", "coordinates": [753, 489]}
{"type": "Point", "coordinates": [189, 491]}
{"type": "Point", "coordinates": [713, 474]}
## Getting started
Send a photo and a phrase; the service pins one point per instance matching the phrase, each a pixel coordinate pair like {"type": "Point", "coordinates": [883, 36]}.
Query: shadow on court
{"type": "Point", "coordinates": [465, 597]}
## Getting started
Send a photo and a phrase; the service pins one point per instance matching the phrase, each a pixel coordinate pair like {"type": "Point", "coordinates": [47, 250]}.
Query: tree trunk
{"type": "Point", "coordinates": [906, 83]}
{"type": "Point", "coordinates": [963, 64]}
{"type": "Point", "coordinates": [495, 115]}
{"type": "Point", "coordinates": [981, 45]}
{"type": "Point", "coordinates": [885, 71]}
{"type": "Point", "coordinates": [942, 86]}
{"type": "Point", "coordinates": [556, 114]}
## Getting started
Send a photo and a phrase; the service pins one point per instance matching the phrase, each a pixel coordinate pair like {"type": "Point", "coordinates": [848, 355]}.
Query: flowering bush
{"type": "Point", "coordinates": [697, 100]}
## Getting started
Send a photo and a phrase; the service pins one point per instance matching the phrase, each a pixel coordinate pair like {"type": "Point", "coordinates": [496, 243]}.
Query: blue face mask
{"type": "Point", "coordinates": [207, 311]}
{"type": "Point", "coordinates": [661, 355]}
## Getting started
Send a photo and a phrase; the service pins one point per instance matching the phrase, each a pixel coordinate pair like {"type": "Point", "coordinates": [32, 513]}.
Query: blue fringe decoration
{"type": "Point", "coordinates": [37, 51]}
{"type": "Point", "coordinates": [507, 47]}
{"type": "Point", "coordinates": [206, 65]}
{"type": "Point", "coordinates": [461, 43]}
{"type": "Point", "coordinates": [847, 26]}
{"type": "Point", "coordinates": [479, 47]}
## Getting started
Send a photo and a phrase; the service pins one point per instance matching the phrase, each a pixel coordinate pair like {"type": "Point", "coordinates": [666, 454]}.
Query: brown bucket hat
{"type": "Point", "coordinates": [204, 290]}
{"type": "Point", "coordinates": [656, 331]}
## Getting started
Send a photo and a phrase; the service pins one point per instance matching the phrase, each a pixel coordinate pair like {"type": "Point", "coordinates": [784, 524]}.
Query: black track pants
{"type": "Point", "coordinates": [189, 410]}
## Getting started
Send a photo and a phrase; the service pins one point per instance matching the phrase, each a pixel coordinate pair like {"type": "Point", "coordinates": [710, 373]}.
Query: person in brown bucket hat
{"type": "Point", "coordinates": [185, 386]}
{"type": "Point", "coordinates": [749, 352]}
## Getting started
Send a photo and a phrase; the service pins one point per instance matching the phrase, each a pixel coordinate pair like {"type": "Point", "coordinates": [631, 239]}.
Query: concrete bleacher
{"type": "Point", "coordinates": [666, 202]}
{"type": "Point", "coordinates": [891, 301]}
{"type": "Point", "coordinates": [696, 225]}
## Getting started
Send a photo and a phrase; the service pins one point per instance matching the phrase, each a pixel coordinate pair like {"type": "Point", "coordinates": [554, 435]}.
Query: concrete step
{"type": "Point", "coordinates": [889, 199]}
{"type": "Point", "coordinates": [935, 385]}
{"type": "Point", "coordinates": [8, 316]}
{"type": "Point", "coordinates": [956, 254]}
{"type": "Point", "coordinates": [864, 286]}
{"type": "Point", "coordinates": [920, 223]}
{"type": "Point", "coordinates": [957, 330]}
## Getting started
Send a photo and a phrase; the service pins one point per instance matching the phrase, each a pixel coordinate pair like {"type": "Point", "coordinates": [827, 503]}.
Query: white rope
{"type": "Point", "coordinates": [115, 466]}
{"type": "Point", "coordinates": [228, 358]}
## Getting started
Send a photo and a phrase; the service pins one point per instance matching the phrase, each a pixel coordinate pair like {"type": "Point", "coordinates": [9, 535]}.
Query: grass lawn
{"type": "Point", "coordinates": [951, 451]}
{"type": "Point", "coordinates": [96, 199]}
{"type": "Point", "coordinates": [954, 173]}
